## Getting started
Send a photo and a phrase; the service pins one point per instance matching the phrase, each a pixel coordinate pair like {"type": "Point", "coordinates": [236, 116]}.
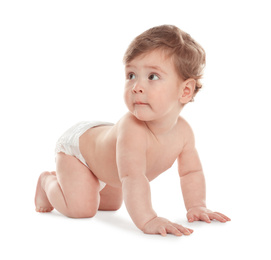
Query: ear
{"type": "Point", "coordinates": [187, 90]}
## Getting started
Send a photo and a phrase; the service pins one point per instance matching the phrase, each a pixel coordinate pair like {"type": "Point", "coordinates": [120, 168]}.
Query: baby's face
{"type": "Point", "coordinates": [152, 88]}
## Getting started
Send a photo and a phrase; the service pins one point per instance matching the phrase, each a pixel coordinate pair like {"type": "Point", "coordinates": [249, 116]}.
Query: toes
{"type": "Point", "coordinates": [41, 201]}
{"type": "Point", "coordinates": [43, 210]}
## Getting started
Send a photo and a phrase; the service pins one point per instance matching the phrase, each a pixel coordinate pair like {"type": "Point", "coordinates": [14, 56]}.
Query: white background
{"type": "Point", "coordinates": [61, 62]}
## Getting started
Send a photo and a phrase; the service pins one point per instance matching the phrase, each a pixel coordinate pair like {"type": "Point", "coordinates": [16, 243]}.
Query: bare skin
{"type": "Point", "coordinates": [74, 190]}
{"type": "Point", "coordinates": [41, 200]}
{"type": "Point", "coordinates": [127, 156]}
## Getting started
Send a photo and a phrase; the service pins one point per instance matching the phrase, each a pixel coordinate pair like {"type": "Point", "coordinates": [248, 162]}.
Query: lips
{"type": "Point", "coordinates": [140, 103]}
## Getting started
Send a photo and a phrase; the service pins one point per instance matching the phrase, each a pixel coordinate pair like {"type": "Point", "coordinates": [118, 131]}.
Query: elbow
{"type": "Point", "coordinates": [190, 173]}
{"type": "Point", "coordinates": [133, 178]}
{"type": "Point", "coordinates": [123, 178]}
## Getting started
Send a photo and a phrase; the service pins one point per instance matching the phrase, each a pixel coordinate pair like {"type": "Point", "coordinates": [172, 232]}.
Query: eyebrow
{"type": "Point", "coordinates": [148, 67]}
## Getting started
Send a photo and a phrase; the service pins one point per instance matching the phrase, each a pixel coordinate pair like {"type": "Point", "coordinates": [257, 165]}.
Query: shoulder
{"type": "Point", "coordinates": [186, 131]}
{"type": "Point", "coordinates": [129, 123]}
{"type": "Point", "coordinates": [131, 145]}
{"type": "Point", "coordinates": [132, 129]}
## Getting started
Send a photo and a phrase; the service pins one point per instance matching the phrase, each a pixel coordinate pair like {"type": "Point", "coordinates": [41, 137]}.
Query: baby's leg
{"type": "Point", "coordinates": [74, 191]}
{"type": "Point", "coordinates": [110, 198]}
{"type": "Point", "coordinates": [41, 201]}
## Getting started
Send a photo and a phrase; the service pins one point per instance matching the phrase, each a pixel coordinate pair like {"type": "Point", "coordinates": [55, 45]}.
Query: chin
{"type": "Point", "coordinates": [146, 117]}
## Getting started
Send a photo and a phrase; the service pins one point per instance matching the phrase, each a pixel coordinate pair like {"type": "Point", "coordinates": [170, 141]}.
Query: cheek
{"type": "Point", "coordinates": [127, 96]}
{"type": "Point", "coordinates": [164, 101]}
{"type": "Point", "coordinates": [159, 96]}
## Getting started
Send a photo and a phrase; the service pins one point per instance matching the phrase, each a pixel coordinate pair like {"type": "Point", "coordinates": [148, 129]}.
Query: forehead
{"type": "Point", "coordinates": [151, 59]}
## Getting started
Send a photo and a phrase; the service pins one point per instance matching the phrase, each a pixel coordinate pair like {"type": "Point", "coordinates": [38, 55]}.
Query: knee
{"type": "Point", "coordinates": [82, 212]}
{"type": "Point", "coordinates": [117, 202]}
{"type": "Point", "coordinates": [112, 206]}
{"type": "Point", "coordinates": [116, 206]}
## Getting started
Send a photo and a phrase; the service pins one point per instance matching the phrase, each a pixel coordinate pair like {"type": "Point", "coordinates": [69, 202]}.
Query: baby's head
{"type": "Point", "coordinates": [187, 55]}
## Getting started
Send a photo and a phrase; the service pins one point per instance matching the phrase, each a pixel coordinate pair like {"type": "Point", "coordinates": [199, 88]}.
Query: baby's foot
{"type": "Point", "coordinates": [41, 201]}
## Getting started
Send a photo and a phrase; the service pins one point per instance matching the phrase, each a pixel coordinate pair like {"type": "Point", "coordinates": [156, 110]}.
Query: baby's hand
{"type": "Point", "coordinates": [163, 227]}
{"type": "Point", "coordinates": [201, 213]}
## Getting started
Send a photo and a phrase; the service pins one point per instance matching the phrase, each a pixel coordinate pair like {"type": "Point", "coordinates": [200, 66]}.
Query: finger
{"type": "Point", "coordinates": [219, 217]}
{"type": "Point", "coordinates": [224, 216]}
{"type": "Point", "coordinates": [191, 230]}
{"type": "Point", "coordinates": [190, 218]}
{"type": "Point", "coordinates": [171, 229]}
{"type": "Point", "coordinates": [162, 231]}
{"type": "Point", "coordinates": [185, 231]}
{"type": "Point", "coordinates": [215, 216]}
{"type": "Point", "coordinates": [204, 217]}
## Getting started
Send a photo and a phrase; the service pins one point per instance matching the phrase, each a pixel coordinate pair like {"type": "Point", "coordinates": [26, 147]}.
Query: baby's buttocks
{"type": "Point", "coordinates": [68, 143]}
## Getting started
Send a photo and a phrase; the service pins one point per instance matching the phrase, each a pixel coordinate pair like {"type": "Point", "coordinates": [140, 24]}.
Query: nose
{"type": "Point", "coordinates": [138, 88]}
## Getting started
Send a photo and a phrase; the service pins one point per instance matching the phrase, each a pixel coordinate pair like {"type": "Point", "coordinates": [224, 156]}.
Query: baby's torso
{"type": "Point", "coordinates": [98, 147]}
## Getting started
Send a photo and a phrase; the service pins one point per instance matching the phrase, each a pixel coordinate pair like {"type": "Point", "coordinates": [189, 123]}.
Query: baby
{"type": "Point", "coordinates": [99, 164]}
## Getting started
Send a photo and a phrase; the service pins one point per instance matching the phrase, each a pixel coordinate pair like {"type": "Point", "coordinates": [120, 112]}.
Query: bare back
{"type": "Point", "coordinates": [98, 147]}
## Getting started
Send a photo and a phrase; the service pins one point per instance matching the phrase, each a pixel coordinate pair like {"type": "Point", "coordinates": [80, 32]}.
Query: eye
{"type": "Point", "coordinates": [131, 76]}
{"type": "Point", "coordinates": [153, 77]}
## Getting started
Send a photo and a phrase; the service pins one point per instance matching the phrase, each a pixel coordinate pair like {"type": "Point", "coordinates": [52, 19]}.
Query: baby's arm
{"type": "Point", "coordinates": [193, 183]}
{"type": "Point", "coordinates": [131, 162]}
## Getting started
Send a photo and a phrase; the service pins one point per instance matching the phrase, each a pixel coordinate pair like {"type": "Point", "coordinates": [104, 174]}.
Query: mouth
{"type": "Point", "coordinates": [140, 103]}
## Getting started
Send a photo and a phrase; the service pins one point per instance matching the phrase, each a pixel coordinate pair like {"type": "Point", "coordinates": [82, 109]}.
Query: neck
{"type": "Point", "coordinates": [162, 126]}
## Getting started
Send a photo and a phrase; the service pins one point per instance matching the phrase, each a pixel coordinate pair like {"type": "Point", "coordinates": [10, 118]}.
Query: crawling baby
{"type": "Point", "coordinates": [99, 164]}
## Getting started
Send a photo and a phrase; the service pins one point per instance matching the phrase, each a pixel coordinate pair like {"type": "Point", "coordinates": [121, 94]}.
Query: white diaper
{"type": "Point", "coordinates": [68, 143]}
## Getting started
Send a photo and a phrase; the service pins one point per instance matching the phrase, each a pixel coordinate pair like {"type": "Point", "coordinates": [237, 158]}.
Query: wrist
{"type": "Point", "coordinates": [141, 224]}
{"type": "Point", "coordinates": [202, 205]}
{"type": "Point", "coordinates": [142, 228]}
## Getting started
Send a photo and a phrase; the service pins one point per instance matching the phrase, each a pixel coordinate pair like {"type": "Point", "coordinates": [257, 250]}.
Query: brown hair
{"type": "Point", "coordinates": [188, 56]}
